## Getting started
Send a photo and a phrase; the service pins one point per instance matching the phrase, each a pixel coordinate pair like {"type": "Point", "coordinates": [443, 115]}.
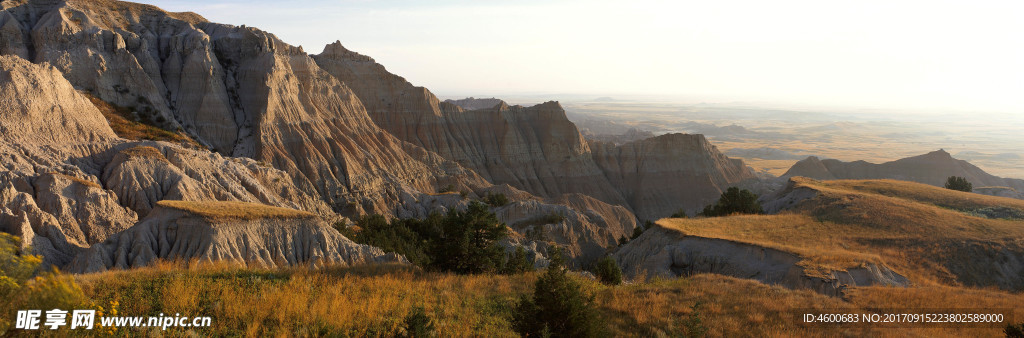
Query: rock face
{"type": "Point", "coordinates": [71, 184]}
{"type": "Point", "coordinates": [661, 175]}
{"type": "Point", "coordinates": [932, 168]}
{"type": "Point", "coordinates": [30, 115]}
{"type": "Point", "coordinates": [665, 252]}
{"type": "Point", "coordinates": [583, 226]}
{"type": "Point", "coordinates": [239, 90]}
{"type": "Point", "coordinates": [328, 134]}
{"type": "Point", "coordinates": [471, 103]}
{"type": "Point", "coordinates": [204, 231]}
{"type": "Point", "coordinates": [537, 149]}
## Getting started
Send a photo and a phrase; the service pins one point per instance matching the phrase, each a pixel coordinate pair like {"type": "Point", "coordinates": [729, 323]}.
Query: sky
{"type": "Point", "coordinates": [914, 55]}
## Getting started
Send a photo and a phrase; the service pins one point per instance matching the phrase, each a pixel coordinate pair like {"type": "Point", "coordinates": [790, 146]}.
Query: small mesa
{"type": "Point", "coordinates": [234, 210]}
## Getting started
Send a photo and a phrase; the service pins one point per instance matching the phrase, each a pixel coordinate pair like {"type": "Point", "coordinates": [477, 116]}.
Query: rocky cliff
{"type": "Point", "coordinates": [68, 182]}
{"type": "Point", "coordinates": [661, 175]}
{"type": "Point", "coordinates": [932, 168]}
{"type": "Point", "coordinates": [247, 233]}
{"type": "Point", "coordinates": [329, 134]}
{"type": "Point", "coordinates": [534, 148]}
{"type": "Point", "coordinates": [537, 148]}
{"type": "Point", "coordinates": [238, 90]}
{"type": "Point", "coordinates": [666, 252]}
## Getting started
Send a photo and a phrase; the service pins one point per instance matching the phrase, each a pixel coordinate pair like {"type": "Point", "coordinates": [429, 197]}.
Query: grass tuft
{"type": "Point", "coordinates": [233, 210]}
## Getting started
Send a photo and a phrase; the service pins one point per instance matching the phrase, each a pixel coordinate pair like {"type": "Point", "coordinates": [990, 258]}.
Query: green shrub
{"type": "Point", "coordinates": [608, 271]}
{"type": "Point", "coordinates": [559, 307]}
{"type": "Point", "coordinates": [637, 232]}
{"type": "Point", "coordinates": [20, 291]}
{"type": "Point", "coordinates": [496, 200]}
{"type": "Point", "coordinates": [734, 201]}
{"type": "Point", "coordinates": [402, 236]}
{"type": "Point", "coordinates": [467, 242]}
{"type": "Point", "coordinates": [518, 262]}
{"type": "Point", "coordinates": [461, 242]}
{"type": "Point", "coordinates": [959, 184]}
{"type": "Point", "coordinates": [419, 324]}
{"type": "Point", "coordinates": [692, 324]}
{"type": "Point", "coordinates": [679, 214]}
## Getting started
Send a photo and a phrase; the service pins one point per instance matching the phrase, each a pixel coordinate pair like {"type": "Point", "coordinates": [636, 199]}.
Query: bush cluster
{"type": "Point", "coordinates": [959, 183]}
{"type": "Point", "coordinates": [459, 241]}
{"type": "Point", "coordinates": [559, 307]}
{"type": "Point", "coordinates": [734, 201]}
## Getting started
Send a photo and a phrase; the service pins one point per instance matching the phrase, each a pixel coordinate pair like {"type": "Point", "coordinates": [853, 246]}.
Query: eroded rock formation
{"type": "Point", "coordinates": [664, 174]}
{"type": "Point", "coordinates": [665, 252]}
{"type": "Point", "coordinates": [932, 168]}
{"type": "Point", "coordinates": [200, 231]}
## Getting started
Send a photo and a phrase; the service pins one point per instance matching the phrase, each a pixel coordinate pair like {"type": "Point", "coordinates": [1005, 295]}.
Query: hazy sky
{"type": "Point", "coordinates": [961, 55]}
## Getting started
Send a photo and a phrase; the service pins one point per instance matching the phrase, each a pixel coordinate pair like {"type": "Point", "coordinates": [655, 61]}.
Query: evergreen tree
{"type": "Point", "coordinates": [559, 307]}
{"type": "Point", "coordinates": [519, 262]}
{"type": "Point", "coordinates": [734, 201]}
{"type": "Point", "coordinates": [608, 271]}
{"type": "Point", "coordinates": [468, 242]}
{"type": "Point", "coordinates": [959, 184]}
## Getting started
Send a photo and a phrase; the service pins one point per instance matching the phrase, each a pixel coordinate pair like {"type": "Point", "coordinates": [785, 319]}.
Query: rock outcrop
{"type": "Point", "coordinates": [665, 252]}
{"type": "Point", "coordinates": [238, 90]}
{"type": "Point", "coordinates": [31, 114]}
{"type": "Point", "coordinates": [535, 149]}
{"type": "Point", "coordinates": [932, 168]}
{"type": "Point", "coordinates": [68, 182]}
{"type": "Point", "coordinates": [331, 133]}
{"type": "Point", "coordinates": [584, 227]}
{"type": "Point", "coordinates": [252, 234]}
{"type": "Point", "coordinates": [471, 103]}
{"type": "Point", "coordinates": [664, 174]}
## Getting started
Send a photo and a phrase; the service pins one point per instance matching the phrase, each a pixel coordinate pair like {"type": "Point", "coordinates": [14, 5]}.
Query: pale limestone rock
{"type": "Point", "coordinates": [175, 234]}
{"type": "Point", "coordinates": [667, 253]}
{"type": "Point", "coordinates": [85, 211]}
{"type": "Point", "coordinates": [661, 175]}
{"type": "Point", "coordinates": [30, 115]}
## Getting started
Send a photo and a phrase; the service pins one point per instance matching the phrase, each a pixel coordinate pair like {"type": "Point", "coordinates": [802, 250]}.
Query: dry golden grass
{"type": "Point", "coordinates": [363, 301]}
{"type": "Point", "coordinates": [372, 301]}
{"type": "Point", "coordinates": [121, 121]}
{"type": "Point", "coordinates": [80, 181]}
{"type": "Point", "coordinates": [233, 210]}
{"type": "Point", "coordinates": [853, 222]}
{"type": "Point", "coordinates": [923, 193]}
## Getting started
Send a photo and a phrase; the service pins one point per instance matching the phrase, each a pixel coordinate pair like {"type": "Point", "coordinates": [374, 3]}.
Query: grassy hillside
{"type": "Point", "coordinates": [129, 126]}
{"type": "Point", "coordinates": [233, 210]}
{"type": "Point", "coordinates": [931, 235]}
{"type": "Point", "coordinates": [372, 301]}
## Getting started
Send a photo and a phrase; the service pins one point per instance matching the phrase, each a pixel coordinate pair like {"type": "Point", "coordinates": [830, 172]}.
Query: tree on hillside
{"type": "Point", "coordinates": [559, 307]}
{"type": "Point", "coordinates": [468, 241]}
{"type": "Point", "coordinates": [461, 242]}
{"type": "Point", "coordinates": [608, 271]}
{"type": "Point", "coordinates": [958, 183]}
{"type": "Point", "coordinates": [734, 201]}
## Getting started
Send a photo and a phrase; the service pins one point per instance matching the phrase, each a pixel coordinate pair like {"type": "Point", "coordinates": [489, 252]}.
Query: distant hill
{"type": "Point", "coordinates": [847, 233]}
{"type": "Point", "coordinates": [932, 168]}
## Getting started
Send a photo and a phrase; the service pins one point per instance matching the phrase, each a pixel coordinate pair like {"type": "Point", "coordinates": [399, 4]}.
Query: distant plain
{"type": "Point", "coordinates": [771, 139]}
